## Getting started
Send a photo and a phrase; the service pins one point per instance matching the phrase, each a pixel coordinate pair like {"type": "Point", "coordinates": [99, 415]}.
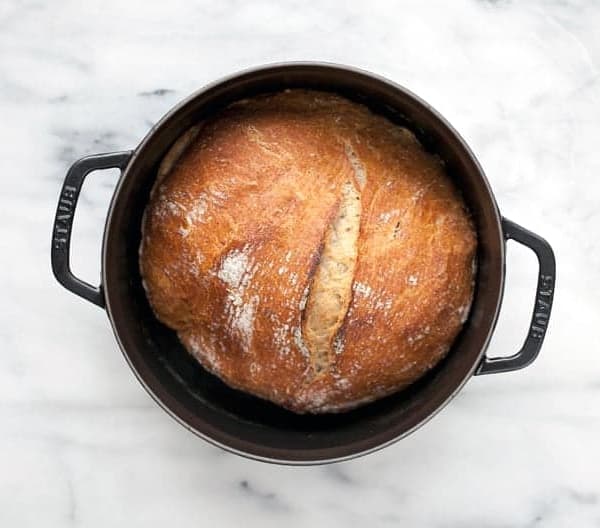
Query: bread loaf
{"type": "Point", "coordinates": [308, 251]}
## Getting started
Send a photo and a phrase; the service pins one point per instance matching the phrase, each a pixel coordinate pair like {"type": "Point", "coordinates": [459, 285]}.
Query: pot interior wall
{"type": "Point", "coordinates": [244, 423]}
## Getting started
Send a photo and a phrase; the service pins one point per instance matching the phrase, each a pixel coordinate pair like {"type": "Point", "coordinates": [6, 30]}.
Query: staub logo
{"type": "Point", "coordinates": [542, 307]}
{"type": "Point", "coordinates": [66, 206]}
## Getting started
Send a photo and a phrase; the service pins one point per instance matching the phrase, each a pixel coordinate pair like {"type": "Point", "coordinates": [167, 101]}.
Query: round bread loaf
{"type": "Point", "coordinates": [308, 251]}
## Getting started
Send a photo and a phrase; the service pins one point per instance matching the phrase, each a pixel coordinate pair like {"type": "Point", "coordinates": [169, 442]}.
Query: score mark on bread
{"type": "Point", "coordinates": [331, 290]}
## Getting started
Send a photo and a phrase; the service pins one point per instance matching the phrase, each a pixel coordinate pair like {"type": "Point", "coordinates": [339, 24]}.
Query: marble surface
{"type": "Point", "coordinates": [81, 444]}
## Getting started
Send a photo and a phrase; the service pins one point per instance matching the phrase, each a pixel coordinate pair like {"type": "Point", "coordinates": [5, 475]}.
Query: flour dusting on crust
{"type": "Point", "coordinates": [362, 289]}
{"type": "Point", "coordinates": [281, 339]}
{"type": "Point", "coordinates": [236, 271]}
{"type": "Point", "coordinates": [297, 333]}
{"type": "Point", "coordinates": [196, 213]}
{"type": "Point", "coordinates": [207, 355]}
{"type": "Point", "coordinates": [242, 321]}
{"type": "Point", "coordinates": [234, 268]}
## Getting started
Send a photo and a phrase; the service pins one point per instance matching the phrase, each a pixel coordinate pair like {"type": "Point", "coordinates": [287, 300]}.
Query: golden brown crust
{"type": "Point", "coordinates": [237, 233]}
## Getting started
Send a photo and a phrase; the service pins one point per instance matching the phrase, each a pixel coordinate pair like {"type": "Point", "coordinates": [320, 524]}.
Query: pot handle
{"type": "Point", "coordinates": [541, 308]}
{"type": "Point", "coordinates": [63, 221]}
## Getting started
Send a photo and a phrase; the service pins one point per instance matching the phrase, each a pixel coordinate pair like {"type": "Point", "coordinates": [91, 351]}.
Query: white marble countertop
{"type": "Point", "coordinates": [81, 443]}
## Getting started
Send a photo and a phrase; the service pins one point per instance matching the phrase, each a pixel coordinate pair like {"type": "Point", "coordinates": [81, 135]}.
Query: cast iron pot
{"type": "Point", "coordinates": [244, 424]}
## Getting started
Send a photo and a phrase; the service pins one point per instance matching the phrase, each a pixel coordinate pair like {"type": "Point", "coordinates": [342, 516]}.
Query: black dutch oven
{"type": "Point", "coordinates": [247, 425]}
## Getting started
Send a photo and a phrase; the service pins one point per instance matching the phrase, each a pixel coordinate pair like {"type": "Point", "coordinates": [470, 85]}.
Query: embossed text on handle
{"type": "Point", "coordinates": [64, 214]}
{"type": "Point", "coordinates": [542, 307]}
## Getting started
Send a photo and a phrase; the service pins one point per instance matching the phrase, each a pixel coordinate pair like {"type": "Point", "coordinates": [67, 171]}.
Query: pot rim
{"type": "Point", "coordinates": [279, 455]}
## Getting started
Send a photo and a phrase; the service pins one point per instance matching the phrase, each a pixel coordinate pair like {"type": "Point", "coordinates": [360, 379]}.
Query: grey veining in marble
{"type": "Point", "coordinates": [81, 444]}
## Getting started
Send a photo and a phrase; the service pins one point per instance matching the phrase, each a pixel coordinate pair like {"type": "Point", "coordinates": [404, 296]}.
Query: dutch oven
{"type": "Point", "coordinates": [242, 423]}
